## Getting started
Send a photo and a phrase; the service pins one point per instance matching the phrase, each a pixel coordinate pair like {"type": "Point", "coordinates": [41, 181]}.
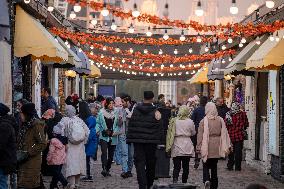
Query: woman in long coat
{"type": "Point", "coordinates": [75, 156]}
{"type": "Point", "coordinates": [31, 141]}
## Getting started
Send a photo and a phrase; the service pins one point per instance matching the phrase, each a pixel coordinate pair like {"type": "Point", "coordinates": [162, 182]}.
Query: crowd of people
{"type": "Point", "coordinates": [62, 145]}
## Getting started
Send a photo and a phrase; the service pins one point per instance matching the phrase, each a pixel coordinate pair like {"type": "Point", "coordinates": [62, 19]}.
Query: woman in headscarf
{"type": "Point", "coordinates": [91, 146]}
{"type": "Point", "coordinates": [31, 143]}
{"type": "Point", "coordinates": [213, 142]}
{"type": "Point", "coordinates": [117, 153]}
{"type": "Point", "coordinates": [237, 123]}
{"type": "Point", "coordinates": [75, 156]}
{"type": "Point", "coordinates": [107, 128]}
{"type": "Point", "coordinates": [181, 129]}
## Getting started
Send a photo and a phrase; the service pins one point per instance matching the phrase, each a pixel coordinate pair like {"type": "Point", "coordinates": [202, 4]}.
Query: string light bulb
{"type": "Point", "coordinates": [94, 21]}
{"type": "Point", "coordinates": [160, 51]}
{"type": "Point", "coordinates": [199, 11]}
{"type": "Point", "coordinates": [198, 39]}
{"type": "Point", "coordinates": [113, 25]}
{"type": "Point", "coordinates": [131, 50]}
{"type": "Point", "coordinates": [223, 47]}
{"type": "Point", "coordinates": [182, 37]}
{"type": "Point", "coordinates": [27, 1]}
{"type": "Point", "coordinates": [190, 50]}
{"type": "Point", "coordinates": [149, 33]}
{"type": "Point", "coordinates": [277, 38]}
{"type": "Point", "coordinates": [104, 11]}
{"type": "Point", "coordinates": [230, 40]}
{"type": "Point", "coordinates": [271, 37]}
{"type": "Point", "coordinates": [166, 36]}
{"type": "Point", "coordinates": [135, 12]}
{"type": "Point", "coordinates": [145, 51]}
{"type": "Point", "coordinates": [77, 7]}
{"type": "Point", "coordinates": [206, 48]}
{"type": "Point", "coordinates": [257, 41]}
{"type": "Point", "coordinates": [269, 4]}
{"type": "Point", "coordinates": [131, 28]}
{"type": "Point", "coordinates": [50, 8]}
{"type": "Point", "coordinates": [243, 40]}
{"type": "Point", "coordinates": [234, 9]}
{"type": "Point", "coordinates": [175, 51]}
{"type": "Point", "coordinates": [72, 15]}
{"type": "Point", "coordinates": [117, 50]}
{"type": "Point", "coordinates": [241, 45]}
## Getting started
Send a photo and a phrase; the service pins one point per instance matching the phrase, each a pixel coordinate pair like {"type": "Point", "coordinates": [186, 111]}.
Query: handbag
{"type": "Point", "coordinates": [22, 156]}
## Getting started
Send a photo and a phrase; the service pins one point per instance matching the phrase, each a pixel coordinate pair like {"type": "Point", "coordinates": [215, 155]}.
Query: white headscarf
{"type": "Point", "coordinates": [70, 111]}
{"type": "Point", "coordinates": [211, 111]}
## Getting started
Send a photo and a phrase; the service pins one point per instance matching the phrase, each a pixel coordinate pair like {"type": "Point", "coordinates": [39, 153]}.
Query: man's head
{"type": "Point", "coordinates": [219, 101]}
{"type": "Point", "coordinates": [203, 101]}
{"type": "Point", "coordinates": [126, 100]}
{"type": "Point", "coordinates": [148, 97]}
{"type": "Point", "coordinates": [46, 92]}
{"type": "Point", "coordinates": [179, 104]}
{"type": "Point", "coordinates": [161, 98]}
{"type": "Point", "coordinates": [91, 95]}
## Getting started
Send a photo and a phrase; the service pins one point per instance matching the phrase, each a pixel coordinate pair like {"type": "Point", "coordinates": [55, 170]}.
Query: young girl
{"type": "Point", "coordinates": [56, 157]}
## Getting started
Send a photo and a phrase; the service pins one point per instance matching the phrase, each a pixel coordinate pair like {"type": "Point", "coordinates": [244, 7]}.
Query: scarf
{"type": "Point", "coordinates": [22, 133]}
{"type": "Point", "coordinates": [109, 114]}
{"type": "Point", "coordinates": [235, 108]}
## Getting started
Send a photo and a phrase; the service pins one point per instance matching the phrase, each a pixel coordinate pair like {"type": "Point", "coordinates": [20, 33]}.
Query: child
{"type": "Point", "coordinates": [56, 157]}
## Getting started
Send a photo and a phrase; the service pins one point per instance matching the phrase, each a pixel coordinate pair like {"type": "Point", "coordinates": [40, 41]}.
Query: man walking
{"type": "Point", "coordinates": [145, 132]}
{"type": "Point", "coordinates": [221, 107]}
{"type": "Point", "coordinates": [48, 102]}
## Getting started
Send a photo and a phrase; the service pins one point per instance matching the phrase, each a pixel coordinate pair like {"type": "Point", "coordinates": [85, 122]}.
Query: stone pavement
{"type": "Point", "coordinates": [227, 179]}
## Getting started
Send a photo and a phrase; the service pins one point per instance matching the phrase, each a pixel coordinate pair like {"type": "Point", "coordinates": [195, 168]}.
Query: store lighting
{"type": "Point", "coordinates": [131, 50]}
{"type": "Point", "coordinates": [113, 25]}
{"type": "Point", "coordinates": [243, 40]}
{"type": "Point", "coordinates": [104, 11]}
{"type": "Point", "coordinates": [182, 37]}
{"type": "Point", "coordinates": [72, 15]}
{"type": "Point", "coordinates": [27, 1]}
{"type": "Point", "coordinates": [50, 8]}
{"type": "Point", "coordinates": [230, 40]}
{"type": "Point", "coordinates": [199, 11]}
{"type": "Point", "coordinates": [149, 33]}
{"type": "Point", "coordinates": [234, 9]}
{"type": "Point", "coordinates": [166, 36]}
{"type": "Point", "coordinates": [135, 12]}
{"type": "Point", "coordinates": [175, 51]}
{"type": "Point", "coordinates": [160, 51]}
{"type": "Point", "coordinates": [269, 4]}
{"type": "Point", "coordinates": [77, 7]}
{"type": "Point", "coordinates": [131, 28]}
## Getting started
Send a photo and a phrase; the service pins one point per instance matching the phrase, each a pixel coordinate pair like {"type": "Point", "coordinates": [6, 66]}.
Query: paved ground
{"type": "Point", "coordinates": [227, 179]}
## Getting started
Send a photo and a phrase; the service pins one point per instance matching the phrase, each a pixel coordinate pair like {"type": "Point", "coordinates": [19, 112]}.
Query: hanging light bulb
{"type": "Point", "coordinates": [223, 47]}
{"type": "Point", "coordinates": [269, 4]}
{"type": "Point", "coordinates": [145, 51]}
{"type": "Point", "coordinates": [91, 53]}
{"type": "Point", "coordinates": [113, 25]}
{"type": "Point", "coordinates": [166, 36]}
{"type": "Point", "coordinates": [182, 37]}
{"type": "Point", "coordinates": [230, 40]}
{"type": "Point", "coordinates": [257, 41]}
{"type": "Point", "coordinates": [131, 50]}
{"type": "Point", "coordinates": [171, 65]}
{"type": "Point", "coordinates": [190, 50]}
{"type": "Point", "coordinates": [175, 51]}
{"type": "Point", "coordinates": [153, 64]}
{"type": "Point", "coordinates": [123, 61]}
{"type": "Point", "coordinates": [160, 51]}
{"type": "Point", "coordinates": [133, 62]}
{"type": "Point", "coordinates": [104, 11]}
{"type": "Point", "coordinates": [80, 50]}
{"type": "Point", "coordinates": [271, 37]}
{"type": "Point", "coordinates": [206, 48]}
{"type": "Point", "coordinates": [77, 7]}
{"type": "Point", "coordinates": [112, 58]}
{"type": "Point", "coordinates": [241, 45]}
{"type": "Point", "coordinates": [277, 37]}
{"type": "Point", "coordinates": [199, 11]}
{"type": "Point", "coordinates": [149, 33]}
{"type": "Point", "coordinates": [230, 59]}
{"type": "Point", "coordinates": [243, 40]}
{"type": "Point", "coordinates": [102, 56]}
{"type": "Point", "coordinates": [94, 21]}
{"type": "Point", "coordinates": [135, 12]}
{"type": "Point", "coordinates": [162, 66]}
{"type": "Point", "coordinates": [234, 9]}
{"type": "Point", "coordinates": [223, 61]}
{"type": "Point", "coordinates": [27, 1]}
{"type": "Point", "coordinates": [131, 28]}
{"type": "Point", "coordinates": [50, 8]}
{"type": "Point", "coordinates": [72, 15]}
{"type": "Point", "coordinates": [104, 48]}
{"type": "Point", "coordinates": [117, 49]}
{"type": "Point", "coordinates": [198, 39]}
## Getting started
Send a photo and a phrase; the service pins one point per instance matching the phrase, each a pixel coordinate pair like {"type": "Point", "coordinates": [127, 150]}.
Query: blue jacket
{"type": "Point", "coordinates": [92, 144]}
{"type": "Point", "coordinates": [197, 115]}
{"type": "Point", "coordinates": [101, 126]}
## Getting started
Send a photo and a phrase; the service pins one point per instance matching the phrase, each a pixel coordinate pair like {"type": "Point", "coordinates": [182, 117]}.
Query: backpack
{"type": "Point", "coordinates": [75, 131]}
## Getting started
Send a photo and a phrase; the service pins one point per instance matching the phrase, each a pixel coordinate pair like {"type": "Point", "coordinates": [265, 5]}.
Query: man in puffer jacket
{"type": "Point", "coordinates": [145, 131]}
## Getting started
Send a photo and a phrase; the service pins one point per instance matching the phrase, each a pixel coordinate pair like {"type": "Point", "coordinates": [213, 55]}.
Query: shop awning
{"type": "Point", "coordinates": [95, 72]}
{"type": "Point", "coordinates": [238, 64]}
{"type": "Point", "coordinates": [73, 59]}
{"type": "Point", "coordinates": [31, 38]}
{"type": "Point", "coordinates": [216, 70]}
{"type": "Point", "coordinates": [269, 56]}
{"type": "Point", "coordinates": [85, 68]}
{"type": "Point", "coordinates": [200, 77]}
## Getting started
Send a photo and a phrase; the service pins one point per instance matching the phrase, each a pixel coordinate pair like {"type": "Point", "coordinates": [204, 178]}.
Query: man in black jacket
{"type": "Point", "coordinates": [8, 159]}
{"type": "Point", "coordinates": [221, 107]}
{"type": "Point", "coordinates": [145, 131]}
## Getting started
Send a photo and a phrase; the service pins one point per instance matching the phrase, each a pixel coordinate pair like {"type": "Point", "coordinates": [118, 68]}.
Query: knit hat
{"type": "Point", "coordinates": [148, 95]}
{"type": "Point", "coordinates": [28, 109]}
{"type": "Point", "coordinates": [4, 110]}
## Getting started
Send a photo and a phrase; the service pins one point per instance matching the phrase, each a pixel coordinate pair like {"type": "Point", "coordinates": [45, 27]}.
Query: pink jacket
{"type": "Point", "coordinates": [57, 153]}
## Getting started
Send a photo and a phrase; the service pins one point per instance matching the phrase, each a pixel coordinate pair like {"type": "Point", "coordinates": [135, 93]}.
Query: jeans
{"type": "Point", "coordinates": [13, 181]}
{"type": "Point", "coordinates": [117, 154]}
{"type": "Point", "coordinates": [145, 163]}
{"type": "Point", "coordinates": [211, 163]}
{"type": "Point", "coordinates": [123, 153]}
{"type": "Point", "coordinates": [107, 154]}
{"type": "Point", "coordinates": [235, 157]}
{"type": "Point", "coordinates": [88, 166]}
{"type": "Point", "coordinates": [3, 180]}
{"type": "Point", "coordinates": [57, 176]}
{"type": "Point", "coordinates": [130, 161]}
{"type": "Point", "coordinates": [178, 161]}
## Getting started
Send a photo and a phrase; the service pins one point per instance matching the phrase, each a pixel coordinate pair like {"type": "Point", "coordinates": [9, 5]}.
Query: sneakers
{"type": "Point", "coordinates": [207, 185]}
{"type": "Point", "coordinates": [124, 175]}
{"type": "Point", "coordinates": [129, 174]}
{"type": "Point", "coordinates": [87, 179]}
{"type": "Point", "coordinates": [104, 173]}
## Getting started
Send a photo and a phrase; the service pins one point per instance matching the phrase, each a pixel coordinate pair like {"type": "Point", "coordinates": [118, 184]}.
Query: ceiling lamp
{"type": "Point", "coordinates": [135, 12]}
{"type": "Point", "coordinates": [94, 21]}
{"type": "Point", "coordinates": [199, 11]}
{"type": "Point", "coordinates": [131, 28]}
{"type": "Point", "coordinates": [234, 9]}
{"type": "Point", "coordinates": [190, 50]}
{"type": "Point", "coordinates": [182, 37]}
{"type": "Point", "coordinates": [104, 11]}
{"type": "Point", "coordinates": [27, 1]}
{"type": "Point", "coordinates": [230, 40]}
{"type": "Point", "coordinates": [113, 25]}
{"type": "Point", "coordinates": [77, 7]}
{"type": "Point", "coordinates": [166, 36]}
{"type": "Point", "coordinates": [175, 51]}
{"type": "Point", "coordinates": [145, 51]}
{"type": "Point", "coordinates": [149, 33]}
{"type": "Point", "coordinates": [72, 15]}
{"type": "Point", "coordinates": [243, 40]}
{"type": "Point", "coordinates": [269, 4]}
{"type": "Point", "coordinates": [131, 50]}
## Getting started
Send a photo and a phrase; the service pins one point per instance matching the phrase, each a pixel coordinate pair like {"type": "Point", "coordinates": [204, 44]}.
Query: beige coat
{"type": "Point", "coordinates": [215, 127]}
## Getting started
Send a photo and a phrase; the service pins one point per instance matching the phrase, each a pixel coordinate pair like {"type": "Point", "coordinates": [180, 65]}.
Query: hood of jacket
{"type": "Point", "coordinates": [145, 108]}
{"type": "Point", "coordinates": [57, 143]}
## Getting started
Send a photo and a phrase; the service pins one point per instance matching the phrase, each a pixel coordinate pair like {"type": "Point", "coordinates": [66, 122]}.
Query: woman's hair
{"type": "Point", "coordinates": [108, 101]}
{"type": "Point", "coordinates": [23, 101]}
{"type": "Point", "coordinates": [84, 110]}
{"type": "Point", "coordinates": [68, 100]}
{"type": "Point", "coordinates": [126, 97]}
{"type": "Point", "coordinates": [255, 186]}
